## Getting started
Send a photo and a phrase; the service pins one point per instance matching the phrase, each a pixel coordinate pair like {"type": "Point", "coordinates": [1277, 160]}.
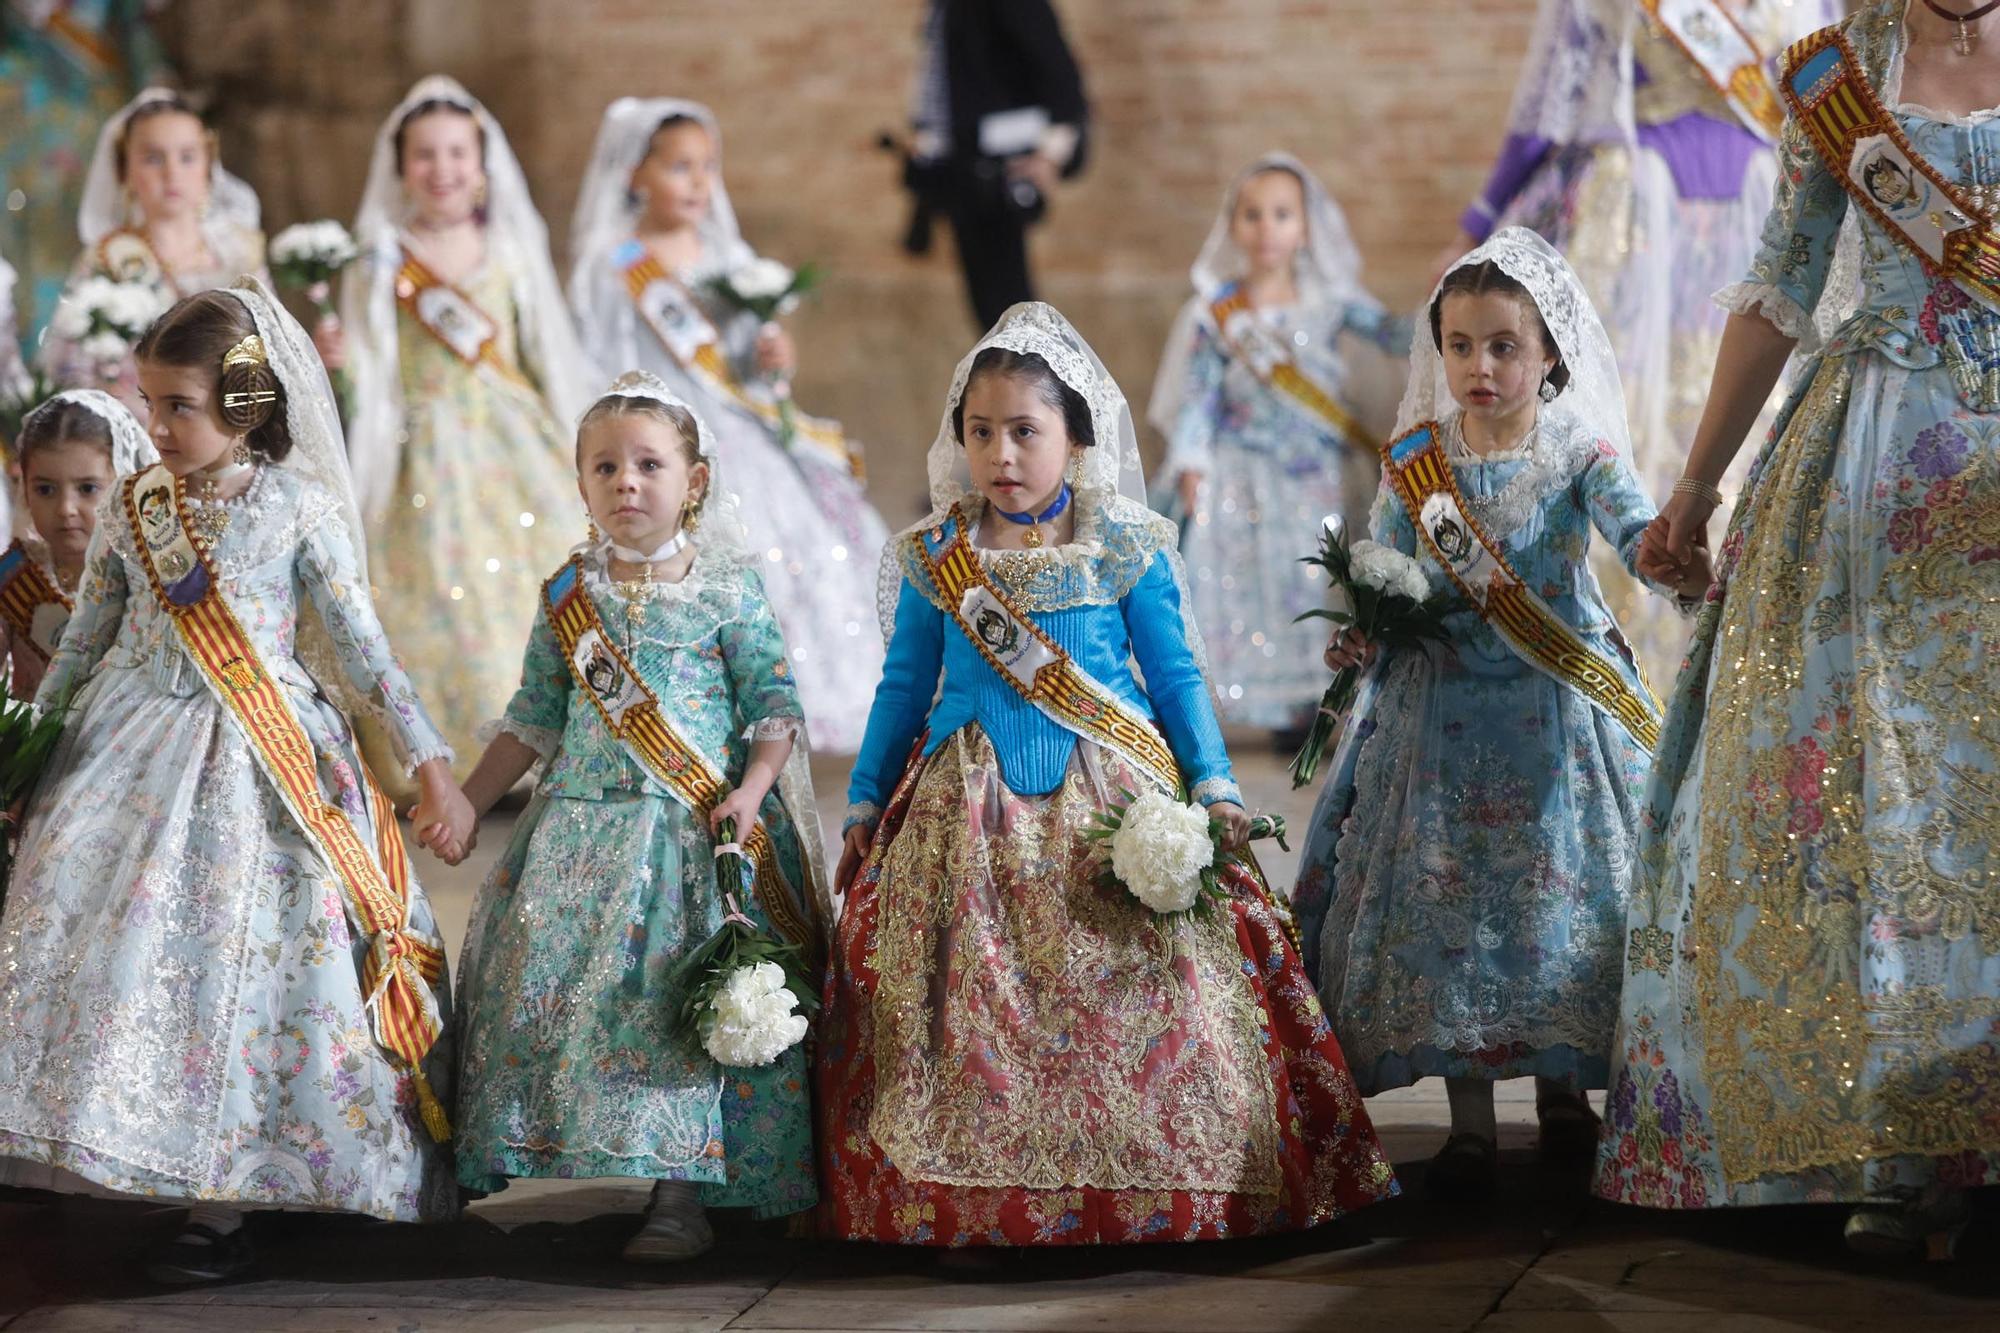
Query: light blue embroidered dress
{"type": "Point", "coordinates": [1462, 890]}
{"type": "Point", "coordinates": [568, 1066]}
{"type": "Point", "coordinates": [180, 996]}
{"type": "Point", "coordinates": [1813, 979]}
{"type": "Point", "coordinates": [1271, 470]}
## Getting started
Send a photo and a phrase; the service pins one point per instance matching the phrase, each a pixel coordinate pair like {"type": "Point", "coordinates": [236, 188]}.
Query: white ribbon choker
{"type": "Point", "coordinates": [670, 548]}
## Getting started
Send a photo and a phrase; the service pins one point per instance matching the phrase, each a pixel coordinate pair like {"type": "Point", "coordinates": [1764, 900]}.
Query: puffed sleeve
{"type": "Point", "coordinates": [93, 625]}
{"type": "Point", "coordinates": [765, 692]}
{"type": "Point", "coordinates": [902, 703]}
{"type": "Point", "coordinates": [1154, 618]}
{"type": "Point", "coordinates": [1795, 253]}
{"type": "Point", "coordinates": [539, 710]}
{"type": "Point", "coordinates": [1190, 446]}
{"type": "Point", "coordinates": [327, 570]}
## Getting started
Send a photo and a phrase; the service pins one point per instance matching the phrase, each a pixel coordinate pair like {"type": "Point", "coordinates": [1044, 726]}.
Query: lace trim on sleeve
{"type": "Point", "coordinates": [866, 814]}
{"type": "Point", "coordinates": [1786, 315]}
{"type": "Point", "coordinates": [775, 728]}
{"type": "Point", "coordinates": [1210, 790]}
{"type": "Point", "coordinates": [544, 741]}
{"type": "Point", "coordinates": [421, 757]}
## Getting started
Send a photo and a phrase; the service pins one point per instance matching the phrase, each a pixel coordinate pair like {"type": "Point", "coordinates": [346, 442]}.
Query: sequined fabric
{"type": "Point", "coordinates": [178, 976]}
{"type": "Point", "coordinates": [1270, 472]}
{"type": "Point", "coordinates": [1813, 959]}
{"type": "Point", "coordinates": [1016, 1054]}
{"type": "Point", "coordinates": [484, 507]}
{"type": "Point", "coordinates": [1463, 886]}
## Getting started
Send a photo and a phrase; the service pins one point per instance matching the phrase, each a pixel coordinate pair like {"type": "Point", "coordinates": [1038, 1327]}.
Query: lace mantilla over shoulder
{"type": "Point", "coordinates": [278, 511]}
{"type": "Point", "coordinates": [1116, 541]}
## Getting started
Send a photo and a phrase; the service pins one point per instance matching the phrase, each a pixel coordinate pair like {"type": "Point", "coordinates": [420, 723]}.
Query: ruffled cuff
{"type": "Point", "coordinates": [866, 814]}
{"type": "Point", "coordinates": [1787, 316]}
{"type": "Point", "coordinates": [1210, 790]}
{"type": "Point", "coordinates": [775, 728]}
{"type": "Point", "coordinates": [544, 741]}
{"type": "Point", "coordinates": [424, 756]}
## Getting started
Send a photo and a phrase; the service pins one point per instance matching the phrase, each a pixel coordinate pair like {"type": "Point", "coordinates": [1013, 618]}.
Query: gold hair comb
{"type": "Point", "coordinates": [249, 352]}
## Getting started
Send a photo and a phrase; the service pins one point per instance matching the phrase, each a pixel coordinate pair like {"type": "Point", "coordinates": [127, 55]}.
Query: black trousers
{"type": "Point", "coordinates": [993, 252]}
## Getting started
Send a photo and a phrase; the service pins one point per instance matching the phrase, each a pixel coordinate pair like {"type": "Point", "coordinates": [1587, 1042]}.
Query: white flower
{"type": "Point", "coordinates": [761, 280]}
{"type": "Point", "coordinates": [1389, 570]}
{"type": "Point", "coordinates": [752, 1020]}
{"type": "Point", "coordinates": [104, 349]}
{"type": "Point", "coordinates": [324, 243]}
{"type": "Point", "coordinates": [1160, 850]}
{"type": "Point", "coordinates": [131, 306]}
{"type": "Point", "coordinates": [71, 319]}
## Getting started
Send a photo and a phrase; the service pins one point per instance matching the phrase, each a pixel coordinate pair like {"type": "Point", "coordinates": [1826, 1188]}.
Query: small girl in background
{"type": "Point", "coordinates": [1462, 892]}
{"type": "Point", "coordinates": [160, 213]}
{"type": "Point", "coordinates": [71, 449]}
{"type": "Point", "coordinates": [1017, 1052]}
{"type": "Point", "coordinates": [653, 233]}
{"type": "Point", "coordinates": [1266, 396]}
{"type": "Point", "coordinates": [465, 376]}
{"type": "Point", "coordinates": [572, 1067]}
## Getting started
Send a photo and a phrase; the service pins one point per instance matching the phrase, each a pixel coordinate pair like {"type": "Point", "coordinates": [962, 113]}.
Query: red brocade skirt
{"type": "Point", "coordinates": [1014, 1053]}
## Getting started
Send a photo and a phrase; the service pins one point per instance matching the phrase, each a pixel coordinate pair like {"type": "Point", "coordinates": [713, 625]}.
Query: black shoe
{"type": "Point", "coordinates": [1464, 1168]}
{"type": "Point", "coordinates": [1569, 1129]}
{"type": "Point", "coordinates": [202, 1254]}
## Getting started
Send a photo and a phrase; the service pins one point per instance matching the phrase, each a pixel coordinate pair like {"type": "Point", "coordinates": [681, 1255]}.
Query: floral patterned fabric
{"type": "Point", "coordinates": [1812, 990]}
{"type": "Point", "coordinates": [1271, 471]}
{"type": "Point", "coordinates": [180, 1002]}
{"type": "Point", "coordinates": [569, 1068]}
{"type": "Point", "coordinates": [1462, 891]}
{"type": "Point", "coordinates": [1016, 1053]}
{"type": "Point", "coordinates": [484, 506]}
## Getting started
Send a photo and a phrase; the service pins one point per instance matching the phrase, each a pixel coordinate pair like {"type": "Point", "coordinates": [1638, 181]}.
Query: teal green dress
{"type": "Point", "coordinates": [568, 1066]}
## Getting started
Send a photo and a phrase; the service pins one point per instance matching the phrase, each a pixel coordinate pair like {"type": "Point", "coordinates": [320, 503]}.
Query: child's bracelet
{"type": "Point", "coordinates": [1699, 489]}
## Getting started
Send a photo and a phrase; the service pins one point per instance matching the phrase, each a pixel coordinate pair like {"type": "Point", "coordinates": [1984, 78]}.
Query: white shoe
{"type": "Point", "coordinates": [676, 1228]}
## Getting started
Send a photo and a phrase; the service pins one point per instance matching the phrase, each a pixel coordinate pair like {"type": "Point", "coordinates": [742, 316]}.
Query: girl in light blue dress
{"type": "Point", "coordinates": [1463, 888]}
{"type": "Point", "coordinates": [571, 1063]}
{"type": "Point", "coordinates": [1814, 964]}
{"type": "Point", "coordinates": [1270, 401]}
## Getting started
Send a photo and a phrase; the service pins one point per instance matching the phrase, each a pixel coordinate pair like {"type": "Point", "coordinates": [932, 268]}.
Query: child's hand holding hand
{"type": "Point", "coordinates": [1689, 574]}
{"type": "Point", "coordinates": [853, 851]}
{"type": "Point", "coordinates": [443, 818]}
{"type": "Point", "coordinates": [1348, 649]}
{"type": "Point", "coordinates": [1235, 825]}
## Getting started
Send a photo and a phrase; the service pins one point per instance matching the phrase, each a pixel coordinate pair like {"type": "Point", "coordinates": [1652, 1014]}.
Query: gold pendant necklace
{"type": "Point", "coordinates": [209, 519]}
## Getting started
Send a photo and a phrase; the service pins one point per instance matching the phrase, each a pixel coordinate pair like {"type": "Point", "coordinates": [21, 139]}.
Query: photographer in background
{"type": "Point", "coordinates": [999, 117]}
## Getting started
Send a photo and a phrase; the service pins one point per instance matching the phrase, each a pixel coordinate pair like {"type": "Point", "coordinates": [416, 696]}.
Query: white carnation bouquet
{"type": "Point", "coordinates": [311, 255]}
{"type": "Point", "coordinates": [768, 289]}
{"type": "Point", "coordinates": [1391, 604]}
{"type": "Point", "coordinates": [105, 316]}
{"type": "Point", "coordinates": [1167, 853]}
{"type": "Point", "coordinates": [746, 995]}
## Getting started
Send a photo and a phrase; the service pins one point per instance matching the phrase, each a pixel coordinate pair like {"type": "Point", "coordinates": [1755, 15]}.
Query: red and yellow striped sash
{"type": "Point", "coordinates": [414, 280]}
{"type": "Point", "coordinates": [1416, 466]}
{"type": "Point", "coordinates": [709, 362]}
{"type": "Point", "coordinates": [659, 748]}
{"type": "Point", "coordinates": [1061, 690]}
{"type": "Point", "coordinates": [1726, 56]}
{"type": "Point", "coordinates": [1304, 391]}
{"type": "Point", "coordinates": [25, 592]}
{"type": "Point", "coordinates": [401, 966]}
{"type": "Point", "coordinates": [1844, 119]}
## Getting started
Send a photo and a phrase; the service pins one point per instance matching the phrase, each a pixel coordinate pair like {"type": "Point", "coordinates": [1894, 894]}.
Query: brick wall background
{"type": "Point", "coordinates": [1398, 104]}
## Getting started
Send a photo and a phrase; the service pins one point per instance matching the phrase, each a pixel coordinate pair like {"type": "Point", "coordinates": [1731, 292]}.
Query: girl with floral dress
{"type": "Point", "coordinates": [1463, 888]}
{"type": "Point", "coordinates": [224, 984]}
{"type": "Point", "coordinates": [1015, 1052]}
{"type": "Point", "coordinates": [572, 1065]}
{"type": "Point", "coordinates": [71, 449]}
{"type": "Point", "coordinates": [654, 232]}
{"type": "Point", "coordinates": [159, 213]}
{"type": "Point", "coordinates": [1267, 398]}
{"type": "Point", "coordinates": [464, 377]}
